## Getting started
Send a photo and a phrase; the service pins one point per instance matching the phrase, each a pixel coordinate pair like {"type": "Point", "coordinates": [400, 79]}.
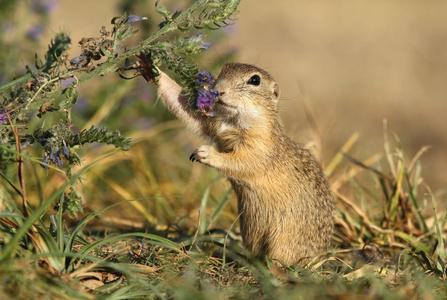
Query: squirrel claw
{"type": "Point", "coordinates": [192, 157]}
{"type": "Point", "coordinates": [203, 155]}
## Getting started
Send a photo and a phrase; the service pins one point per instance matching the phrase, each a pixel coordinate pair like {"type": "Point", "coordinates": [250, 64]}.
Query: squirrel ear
{"type": "Point", "coordinates": [275, 92]}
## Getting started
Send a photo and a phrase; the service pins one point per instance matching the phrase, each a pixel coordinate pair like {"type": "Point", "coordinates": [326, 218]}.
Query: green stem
{"type": "Point", "coordinates": [42, 87]}
{"type": "Point", "coordinates": [17, 81]}
{"type": "Point", "coordinates": [111, 65]}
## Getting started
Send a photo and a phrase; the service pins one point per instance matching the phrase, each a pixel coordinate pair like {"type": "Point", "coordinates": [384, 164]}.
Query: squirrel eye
{"type": "Point", "coordinates": [255, 80]}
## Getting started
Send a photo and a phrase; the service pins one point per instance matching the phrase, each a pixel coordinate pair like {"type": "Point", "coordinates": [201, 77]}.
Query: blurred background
{"type": "Point", "coordinates": [359, 62]}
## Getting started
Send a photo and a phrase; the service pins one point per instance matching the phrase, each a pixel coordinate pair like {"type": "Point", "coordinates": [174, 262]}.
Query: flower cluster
{"type": "Point", "coordinates": [54, 156]}
{"type": "Point", "coordinates": [205, 94]}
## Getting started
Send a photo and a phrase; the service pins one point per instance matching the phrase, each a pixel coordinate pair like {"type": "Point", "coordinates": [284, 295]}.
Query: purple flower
{"type": "Point", "coordinates": [3, 116]}
{"type": "Point", "coordinates": [199, 40]}
{"type": "Point", "coordinates": [43, 7]}
{"type": "Point", "coordinates": [133, 18]}
{"type": "Point", "coordinates": [79, 61]}
{"type": "Point", "coordinates": [45, 161]}
{"type": "Point", "coordinates": [214, 93]}
{"type": "Point", "coordinates": [205, 94]}
{"type": "Point", "coordinates": [68, 81]}
{"type": "Point", "coordinates": [66, 152]}
{"type": "Point", "coordinates": [59, 161]}
{"type": "Point", "coordinates": [54, 157]}
{"type": "Point", "coordinates": [205, 98]}
{"type": "Point", "coordinates": [204, 78]}
{"type": "Point", "coordinates": [35, 32]}
{"type": "Point", "coordinates": [42, 141]}
{"type": "Point", "coordinates": [205, 46]}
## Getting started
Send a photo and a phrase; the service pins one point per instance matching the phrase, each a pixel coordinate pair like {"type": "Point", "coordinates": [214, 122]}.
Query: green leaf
{"type": "Point", "coordinates": [222, 203]}
{"type": "Point", "coordinates": [413, 241]}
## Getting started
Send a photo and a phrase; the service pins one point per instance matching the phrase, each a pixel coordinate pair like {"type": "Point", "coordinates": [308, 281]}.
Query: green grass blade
{"type": "Point", "coordinates": [49, 245]}
{"type": "Point", "coordinates": [151, 239]}
{"type": "Point", "coordinates": [440, 253]}
{"type": "Point", "coordinates": [203, 202]}
{"type": "Point", "coordinates": [413, 202]}
{"type": "Point", "coordinates": [60, 230]}
{"type": "Point", "coordinates": [413, 241]}
{"type": "Point", "coordinates": [394, 203]}
{"type": "Point", "coordinates": [11, 184]}
{"type": "Point", "coordinates": [10, 215]}
{"type": "Point", "coordinates": [9, 248]}
{"type": "Point", "coordinates": [74, 234]}
{"type": "Point", "coordinates": [220, 206]}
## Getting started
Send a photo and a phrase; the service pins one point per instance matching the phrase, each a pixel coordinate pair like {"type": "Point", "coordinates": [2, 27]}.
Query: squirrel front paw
{"type": "Point", "coordinates": [203, 154]}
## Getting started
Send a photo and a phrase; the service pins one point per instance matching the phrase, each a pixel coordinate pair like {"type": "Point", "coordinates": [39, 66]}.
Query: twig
{"type": "Point", "coordinates": [20, 168]}
{"type": "Point", "coordinates": [387, 148]}
{"type": "Point", "coordinates": [197, 231]}
{"type": "Point", "coordinates": [359, 163]}
{"type": "Point", "coordinates": [362, 214]}
{"type": "Point", "coordinates": [416, 157]}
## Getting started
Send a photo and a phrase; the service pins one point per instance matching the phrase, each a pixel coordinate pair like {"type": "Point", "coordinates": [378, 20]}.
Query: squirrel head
{"type": "Point", "coordinates": [246, 91]}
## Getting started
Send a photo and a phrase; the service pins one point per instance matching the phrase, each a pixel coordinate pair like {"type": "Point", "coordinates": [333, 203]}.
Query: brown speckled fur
{"type": "Point", "coordinates": [284, 200]}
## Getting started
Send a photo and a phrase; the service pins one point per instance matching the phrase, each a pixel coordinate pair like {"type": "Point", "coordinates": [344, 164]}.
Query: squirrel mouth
{"type": "Point", "coordinates": [220, 102]}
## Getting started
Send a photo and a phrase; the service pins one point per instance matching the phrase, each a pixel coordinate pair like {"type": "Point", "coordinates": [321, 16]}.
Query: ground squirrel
{"type": "Point", "coordinates": [284, 200]}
